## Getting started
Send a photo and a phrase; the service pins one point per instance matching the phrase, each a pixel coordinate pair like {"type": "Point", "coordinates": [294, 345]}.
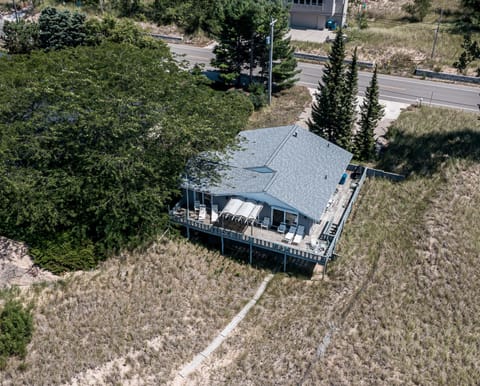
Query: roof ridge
{"type": "Point", "coordinates": [277, 150]}
{"type": "Point", "coordinates": [274, 154]}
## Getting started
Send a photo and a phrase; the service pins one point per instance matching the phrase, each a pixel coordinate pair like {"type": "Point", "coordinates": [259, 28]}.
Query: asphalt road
{"type": "Point", "coordinates": [392, 88]}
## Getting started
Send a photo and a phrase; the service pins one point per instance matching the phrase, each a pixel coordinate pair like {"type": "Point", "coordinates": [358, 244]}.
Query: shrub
{"type": "Point", "coordinates": [418, 9]}
{"type": "Point", "coordinates": [400, 61]}
{"type": "Point", "coordinates": [16, 328]}
{"type": "Point", "coordinates": [65, 253]}
{"type": "Point", "coordinates": [362, 20]}
{"type": "Point", "coordinates": [258, 96]}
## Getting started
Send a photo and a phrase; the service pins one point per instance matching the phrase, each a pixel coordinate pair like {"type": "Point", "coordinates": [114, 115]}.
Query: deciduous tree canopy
{"type": "Point", "coordinates": [93, 140]}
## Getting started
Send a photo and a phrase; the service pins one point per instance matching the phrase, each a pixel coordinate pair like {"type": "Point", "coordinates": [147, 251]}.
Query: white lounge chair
{"type": "Point", "coordinates": [265, 224]}
{"type": "Point", "coordinates": [291, 234]}
{"type": "Point", "coordinates": [214, 213]}
{"type": "Point", "coordinates": [299, 235]}
{"type": "Point", "coordinates": [282, 228]}
{"type": "Point", "coordinates": [202, 215]}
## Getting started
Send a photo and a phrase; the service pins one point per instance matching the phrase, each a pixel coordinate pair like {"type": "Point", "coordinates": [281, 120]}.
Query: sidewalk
{"type": "Point", "coordinates": [311, 35]}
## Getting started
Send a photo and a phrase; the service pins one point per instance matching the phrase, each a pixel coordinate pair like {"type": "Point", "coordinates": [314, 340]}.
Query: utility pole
{"type": "Point", "coordinates": [188, 207]}
{"type": "Point", "coordinates": [436, 33]}
{"type": "Point", "coordinates": [270, 41]}
{"type": "Point", "coordinates": [15, 10]}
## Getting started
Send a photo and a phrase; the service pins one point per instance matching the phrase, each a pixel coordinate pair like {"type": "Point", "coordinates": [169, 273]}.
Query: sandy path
{"type": "Point", "coordinates": [180, 379]}
{"type": "Point", "coordinates": [122, 365]}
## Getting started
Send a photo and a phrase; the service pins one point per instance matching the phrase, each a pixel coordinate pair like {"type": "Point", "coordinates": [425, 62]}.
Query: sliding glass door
{"type": "Point", "coordinates": [280, 215]}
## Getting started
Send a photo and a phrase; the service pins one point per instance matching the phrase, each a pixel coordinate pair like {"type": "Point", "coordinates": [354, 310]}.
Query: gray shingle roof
{"type": "Point", "coordinates": [306, 168]}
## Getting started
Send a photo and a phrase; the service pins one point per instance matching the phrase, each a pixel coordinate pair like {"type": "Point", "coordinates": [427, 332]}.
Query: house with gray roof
{"type": "Point", "coordinates": [285, 174]}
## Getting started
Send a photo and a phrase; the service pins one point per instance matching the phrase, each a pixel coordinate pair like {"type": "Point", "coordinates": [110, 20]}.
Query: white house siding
{"type": "Point", "coordinates": [315, 16]}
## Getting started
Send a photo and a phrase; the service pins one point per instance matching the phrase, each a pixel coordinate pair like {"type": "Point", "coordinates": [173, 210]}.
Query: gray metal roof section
{"type": "Point", "coordinates": [305, 168]}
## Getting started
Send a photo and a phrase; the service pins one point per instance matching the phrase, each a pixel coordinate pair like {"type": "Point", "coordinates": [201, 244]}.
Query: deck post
{"type": "Point", "coordinates": [285, 262]}
{"type": "Point", "coordinates": [251, 251]}
{"type": "Point", "coordinates": [221, 237]}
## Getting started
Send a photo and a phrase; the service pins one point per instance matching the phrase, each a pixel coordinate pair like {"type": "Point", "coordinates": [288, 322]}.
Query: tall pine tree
{"type": "Point", "coordinates": [371, 112]}
{"type": "Point", "coordinates": [233, 52]}
{"type": "Point", "coordinates": [243, 44]}
{"type": "Point", "coordinates": [327, 107]}
{"type": "Point", "coordinates": [284, 68]}
{"type": "Point", "coordinates": [349, 106]}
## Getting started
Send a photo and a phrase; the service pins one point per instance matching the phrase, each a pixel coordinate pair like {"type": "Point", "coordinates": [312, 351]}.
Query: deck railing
{"type": "Point", "coordinates": [345, 215]}
{"type": "Point", "coordinates": [289, 250]}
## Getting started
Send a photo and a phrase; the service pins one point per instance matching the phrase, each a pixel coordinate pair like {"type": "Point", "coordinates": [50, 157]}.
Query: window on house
{"type": "Point", "coordinates": [280, 216]}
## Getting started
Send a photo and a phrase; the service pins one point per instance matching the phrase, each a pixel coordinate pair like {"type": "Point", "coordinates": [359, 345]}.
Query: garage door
{"type": "Point", "coordinates": [303, 20]}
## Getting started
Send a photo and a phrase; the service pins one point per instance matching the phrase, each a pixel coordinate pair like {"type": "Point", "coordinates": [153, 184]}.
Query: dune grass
{"type": "Point", "coordinates": [398, 45]}
{"type": "Point", "coordinates": [143, 316]}
{"type": "Point", "coordinates": [400, 306]}
{"type": "Point", "coordinates": [286, 107]}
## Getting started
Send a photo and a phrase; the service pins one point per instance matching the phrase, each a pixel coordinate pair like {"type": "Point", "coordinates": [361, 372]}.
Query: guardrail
{"type": "Point", "coordinates": [323, 59]}
{"type": "Point", "coordinates": [446, 76]}
{"type": "Point", "coordinates": [167, 37]}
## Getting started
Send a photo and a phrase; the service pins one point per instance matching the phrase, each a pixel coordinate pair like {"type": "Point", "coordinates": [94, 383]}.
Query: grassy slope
{"type": "Point", "coordinates": [286, 107]}
{"type": "Point", "coordinates": [403, 299]}
{"type": "Point", "coordinates": [388, 34]}
{"type": "Point", "coordinates": [178, 294]}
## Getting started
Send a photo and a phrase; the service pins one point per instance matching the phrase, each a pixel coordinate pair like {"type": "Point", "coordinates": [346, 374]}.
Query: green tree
{"type": "Point", "coordinates": [114, 30]}
{"type": "Point", "coordinates": [61, 29]}
{"type": "Point", "coordinates": [129, 8]}
{"type": "Point", "coordinates": [328, 105]}
{"type": "Point", "coordinates": [243, 42]}
{"type": "Point", "coordinates": [21, 37]}
{"type": "Point", "coordinates": [235, 40]}
{"type": "Point", "coordinates": [193, 16]}
{"type": "Point", "coordinates": [472, 11]}
{"type": "Point", "coordinates": [418, 9]}
{"type": "Point", "coordinates": [93, 141]}
{"type": "Point", "coordinates": [349, 105]}
{"type": "Point", "coordinates": [371, 111]}
{"type": "Point", "coordinates": [284, 69]}
{"type": "Point", "coordinates": [471, 52]}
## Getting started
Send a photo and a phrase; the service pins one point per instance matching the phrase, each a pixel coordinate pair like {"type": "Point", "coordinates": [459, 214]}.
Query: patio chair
{"type": "Point", "coordinates": [282, 228]}
{"type": "Point", "coordinates": [214, 213]}
{"type": "Point", "coordinates": [299, 235]}
{"type": "Point", "coordinates": [196, 206]}
{"type": "Point", "coordinates": [265, 224]}
{"type": "Point", "coordinates": [202, 215]}
{"type": "Point", "coordinates": [314, 243]}
{"type": "Point", "coordinates": [291, 234]}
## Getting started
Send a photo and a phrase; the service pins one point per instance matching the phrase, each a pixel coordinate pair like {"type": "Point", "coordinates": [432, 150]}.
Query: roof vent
{"type": "Point", "coordinates": [328, 144]}
{"type": "Point", "coordinates": [295, 134]}
{"type": "Point", "coordinates": [326, 176]}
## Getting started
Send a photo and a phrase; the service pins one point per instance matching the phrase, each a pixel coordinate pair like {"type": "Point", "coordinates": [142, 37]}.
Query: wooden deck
{"type": "Point", "coordinates": [327, 231]}
{"type": "Point", "coordinates": [255, 236]}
